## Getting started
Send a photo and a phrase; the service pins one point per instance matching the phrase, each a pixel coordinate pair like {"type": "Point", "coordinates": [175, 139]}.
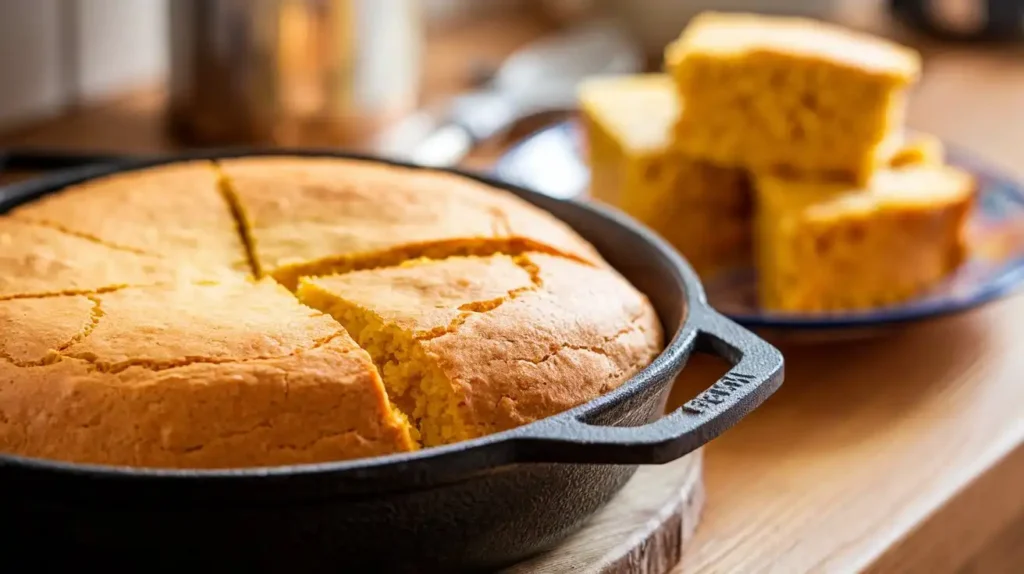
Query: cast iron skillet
{"type": "Point", "coordinates": [479, 504]}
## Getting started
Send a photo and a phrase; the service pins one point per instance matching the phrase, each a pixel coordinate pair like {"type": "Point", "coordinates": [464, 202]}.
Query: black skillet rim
{"type": "Point", "coordinates": [459, 459]}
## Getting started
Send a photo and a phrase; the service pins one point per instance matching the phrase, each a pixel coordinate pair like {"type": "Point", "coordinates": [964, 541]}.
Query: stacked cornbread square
{"type": "Point", "coordinates": [849, 212]}
{"type": "Point", "coordinates": [789, 95]}
{"type": "Point", "coordinates": [700, 208]}
{"type": "Point", "coordinates": [827, 246]}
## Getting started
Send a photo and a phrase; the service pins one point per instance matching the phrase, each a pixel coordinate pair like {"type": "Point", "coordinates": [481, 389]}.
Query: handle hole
{"type": "Point", "coordinates": [701, 372]}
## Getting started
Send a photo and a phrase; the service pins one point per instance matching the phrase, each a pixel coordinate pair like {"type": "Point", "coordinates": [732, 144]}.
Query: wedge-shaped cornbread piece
{"type": "Point", "coordinates": [314, 216]}
{"type": "Point", "coordinates": [473, 345]}
{"type": "Point", "coordinates": [790, 96]}
{"type": "Point", "coordinates": [702, 209]}
{"type": "Point", "coordinates": [39, 260]}
{"type": "Point", "coordinates": [201, 376]}
{"type": "Point", "coordinates": [829, 247]}
{"type": "Point", "coordinates": [176, 212]}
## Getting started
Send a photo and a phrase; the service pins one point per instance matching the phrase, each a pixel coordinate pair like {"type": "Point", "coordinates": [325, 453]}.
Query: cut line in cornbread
{"type": "Point", "coordinates": [833, 247]}
{"type": "Point", "coordinates": [36, 331]}
{"type": "Point", "coordinates": [197, 376]}
{"type": "Point", "coordinates": [41, 261]}
{"type": "Point", "coordinates": [789, 96]}
{"type": "Point", "coordinates": [173, 212]}
{"type": "Point", "coordinates": [241, 225]}
{"type": "Point", "coordinates": [316, 216]}
{"type": "Point", "coordinates": [469, 346]}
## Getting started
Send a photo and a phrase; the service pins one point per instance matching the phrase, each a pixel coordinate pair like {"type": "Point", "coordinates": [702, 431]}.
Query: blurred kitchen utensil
{"type": "Point", "coordinates": [541, 77]}
{"type": "Point", "coordinates": [291, 72]}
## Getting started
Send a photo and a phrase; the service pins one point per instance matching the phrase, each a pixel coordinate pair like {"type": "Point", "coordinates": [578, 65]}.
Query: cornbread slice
{"type": "Point", "coordinates": [702, 209]}
{"type": "Point", "coordinates": [314, 216]}
{"type": "Point", "coordinates": [828, 247]}
{"type": "Point", "coordinates": [176, 212]}
{"type": "Point", "coordinates": [789, 96]}
{"type": "Point", "coordinates": [38, 260]}
{"type": "Point", "coordinates": [201, 376]}
{"type": "Point", "coordinates": [474, 345]}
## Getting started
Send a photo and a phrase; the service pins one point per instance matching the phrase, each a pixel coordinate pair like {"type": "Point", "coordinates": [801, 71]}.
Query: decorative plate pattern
{"type": "Point", "coordinates": [551, 161]}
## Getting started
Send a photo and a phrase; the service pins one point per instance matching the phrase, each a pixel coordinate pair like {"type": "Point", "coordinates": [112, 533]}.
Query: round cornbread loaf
{"type": "Point", "coordinates": [146, 318]}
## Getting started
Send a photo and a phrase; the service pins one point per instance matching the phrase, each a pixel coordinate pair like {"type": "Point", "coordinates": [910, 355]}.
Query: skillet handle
{"type": "Point", "coordinates": [756, 373]}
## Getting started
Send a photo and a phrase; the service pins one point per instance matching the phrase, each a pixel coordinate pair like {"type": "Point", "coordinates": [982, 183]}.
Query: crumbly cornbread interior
{"type": "Point", "coordinates": [791, 96]}
{"type": "Point", "coordinates": [830, 246]}
{"type": "Point", "coordinates": [702, 209]}
{"type": "Point", "coordinates": [446, 310]}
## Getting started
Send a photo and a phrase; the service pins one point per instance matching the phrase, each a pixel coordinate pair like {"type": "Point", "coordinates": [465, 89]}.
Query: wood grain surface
{"type": "Point", "coordinates": [900, 454]}
{"type": "Point", "coordinates": [641, 531]}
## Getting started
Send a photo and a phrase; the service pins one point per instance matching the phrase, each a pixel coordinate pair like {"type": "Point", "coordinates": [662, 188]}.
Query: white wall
{"type": "Point", "coordinates": [55, 53]}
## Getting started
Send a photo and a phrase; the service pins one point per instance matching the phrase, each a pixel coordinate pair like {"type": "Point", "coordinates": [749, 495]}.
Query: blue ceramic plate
{"type": "Point", "coordinates": [550, 161]}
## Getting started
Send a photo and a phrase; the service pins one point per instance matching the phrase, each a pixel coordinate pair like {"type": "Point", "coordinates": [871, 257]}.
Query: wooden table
{"type": "Point", "coordinates": [901, 454]}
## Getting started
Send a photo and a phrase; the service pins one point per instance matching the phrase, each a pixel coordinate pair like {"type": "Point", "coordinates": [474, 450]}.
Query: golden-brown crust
{"type": "Point", "coordinates": [37, 260]}
{"type": "Point", "coordinates": [197, 376]}
{"type": "Point", "coordinates": [737, 34]}
{"type": "Point", "coordinates": [160, 327]}
{"type": "Point", "coordinates": [36, 330]}
{"type": "Point", "coordinates": [175, 212]}
{"type": "Point", "coordinates": [424, 296]}
{"type": "Point", "coordinates": [315, 215]}
{"type": "Point", "coordinates": [582, 333]}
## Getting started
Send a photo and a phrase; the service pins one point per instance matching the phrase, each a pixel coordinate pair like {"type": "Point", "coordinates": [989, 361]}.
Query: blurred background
{"type": "Point", "coordinates": [144, 76]}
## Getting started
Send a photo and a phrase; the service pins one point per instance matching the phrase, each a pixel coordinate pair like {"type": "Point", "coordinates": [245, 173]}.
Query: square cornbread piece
{"type": "Point", "coordinates": [469, 346]}
{"type": "Point", "coordinates": [790, 96]}
{"type": "Point", "coordinates": [316, 216]}
{"type": "Point", "coordinates": [701, 208]}
{"type": "Point", "coordinates": [176, 212]}
{"type": "Point", "coordinates": [830, 247]}
{"type": "Point", "coordinates": [188, 376]}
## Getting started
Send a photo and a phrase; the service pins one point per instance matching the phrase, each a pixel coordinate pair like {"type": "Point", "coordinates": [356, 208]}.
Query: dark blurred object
{"type": "Point", "coordinates": [291, 72]}
{"type": "Point", "coordinates": [29, 159]}
{"type": "Point", "coordinates": [970, 20]}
